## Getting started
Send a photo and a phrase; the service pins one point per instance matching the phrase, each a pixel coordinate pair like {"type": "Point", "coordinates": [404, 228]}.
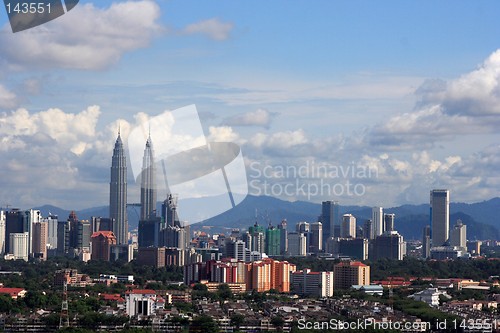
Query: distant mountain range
{"type": "Point", "coordinates": [482, 219]}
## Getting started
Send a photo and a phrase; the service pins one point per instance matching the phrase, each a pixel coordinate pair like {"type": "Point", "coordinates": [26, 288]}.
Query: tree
{"type": "Point", "coordinates": [277, 322]}
{"type": "Point", "coordinates": [237, 319]}
{"type": "Point", "coordinates": [224, 292]}
{"type": "Point", "coordinates": [204, 324]}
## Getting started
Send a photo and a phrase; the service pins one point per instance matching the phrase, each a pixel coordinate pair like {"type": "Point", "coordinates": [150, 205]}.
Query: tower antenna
{"type": "Point", "coordinates": [64, 318]}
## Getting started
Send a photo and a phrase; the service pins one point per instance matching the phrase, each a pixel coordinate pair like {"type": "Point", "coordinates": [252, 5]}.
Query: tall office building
{"type": "Point", "coordinates": [330, 217]}
{"type": "Point", "coordinates": [283, 237]}
{"type": "Point", "coordinates": [148, 182]}
{"type": "Point", "coordinates": [426, 242]}
{"type": "Point", "coordinates": [149, 232]}
{"type": "Point", "coordinates": [440, 216]}
{"type": "Point", "coordinates": [236, 249]}
{"type": "Point", "coordinates": [2, 232]}
{"type": "Point", "coordinates": [378, 221]}
{"type": "Point", "coordinates": [348, 228]}
{"type": "Point", "coordinates": [51, 231]}
{"type": "Point", "coordinates": [297, 244]}
{"type": "Point", "coordinates": [40, 238]}
{"type": "Point", "coordinates": [390, 245]}
{"type": "Point", "coordinates": [32, 216]}
{"type": "Point", "coordinates": [368, 231]}
{"type": "Point", "coordinates": [15, 222]}
{"type": "Point", "coordinates": [63, 237]}
{"type": "Point", "coordinates": [101, 224]}
{"type": "Point", "coordinates": [354, 248]}
{"type": "Point", "coordinates": [169, 212]}
{"type": "Point", "coordinates": [459, 235]}
{"type": "Point", "coordinates": [118, 192]}
{"type": "Point", "coordinates": [388, 222]}
{"type": "Point", "coordinates": [256, 234]}
{"type": "Point", "coordinates": [316, 237]}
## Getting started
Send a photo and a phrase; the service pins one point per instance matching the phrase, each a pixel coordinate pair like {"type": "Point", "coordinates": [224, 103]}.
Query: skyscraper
{"type": "Point", "coordinates": [40, 237]}
{"type": "Point", "coordinates": [368, 229]}
{"type": "Point", "coordinates": [272, 241]}
{"type": "Point", "coordinates": [169, 212]}
{"type": "Point", "coordinates": [440, 216]}
{"type": "Point", "coordinates": [316, 239]}
{"type": "Point", "coordinates": [297, 244]}
{"type": "Point", "coordinates": [348, 228]}
{"type": "Point", "coordinates": [330, 217]}
{"type": "Point", "coordinates": [426, 242]}
{"type": "Point", "coordinates": [15, 222]}
{"type": "Point", "coordinates": [2, 232]}
{"type": "Point", "coordinates": [459, 235]}
{"type": "Point", "coordinates": [118, 193]}
{"type": "Point", "coordinates": [388, 222]}
{"type": "Point", "coordinates": [148, 182]}
{"type": "Point", "coordinates": [283, 237]}
{"type": "Point", "coordinates": [377, 220]}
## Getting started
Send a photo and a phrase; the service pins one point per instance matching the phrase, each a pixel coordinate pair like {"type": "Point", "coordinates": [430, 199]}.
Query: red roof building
{"type": "Point", "coordinates": [14, 293]}
{"type": "Point", "coordinates": [101, 245]}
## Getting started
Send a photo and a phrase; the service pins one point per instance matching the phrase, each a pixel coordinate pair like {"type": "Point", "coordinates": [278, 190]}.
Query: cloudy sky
{"type": "Point", "coordinates": [374, 104]}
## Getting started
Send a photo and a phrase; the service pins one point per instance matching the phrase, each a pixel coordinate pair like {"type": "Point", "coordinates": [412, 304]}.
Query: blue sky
{"type": "Point", "coordinates": [409, 88]}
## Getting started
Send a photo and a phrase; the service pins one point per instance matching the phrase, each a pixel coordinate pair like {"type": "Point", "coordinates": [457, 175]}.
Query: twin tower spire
{"type": "Point", "coordinates": [118, 188]}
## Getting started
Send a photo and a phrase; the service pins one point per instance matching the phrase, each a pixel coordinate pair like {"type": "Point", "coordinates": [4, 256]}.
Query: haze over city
{"type": "Point", "coordinates": [408, 91]}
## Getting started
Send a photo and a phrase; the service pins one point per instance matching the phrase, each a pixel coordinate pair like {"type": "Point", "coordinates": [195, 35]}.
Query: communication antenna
{"type": "Point", "coordinates": [64, 318]}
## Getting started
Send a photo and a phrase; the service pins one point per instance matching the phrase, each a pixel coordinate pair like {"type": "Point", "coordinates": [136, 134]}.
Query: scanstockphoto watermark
{"type": "Point", "coordinates": [310, 179]}
{"type": "Point", "coordinates": [364, 324]}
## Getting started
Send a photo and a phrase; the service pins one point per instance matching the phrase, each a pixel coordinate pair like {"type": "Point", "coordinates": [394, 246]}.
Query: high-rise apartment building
{"type": "Point", "coordinates": [148, 182]}
{"type": "Point", "coordinates": [378, 221]}
{"type": "Point", "coordinates": [19, 245]}
{"type": "Point", "coordinates": [272, 241]}
{"type": "Point", "coordinates": [440, 216]}
{"type": "Point", "coordinates": [118, 192]}
{"type": "Point", "coordinates": [349, 273]}
{"type": "Point", "coordinates": [101, 245]}
{"type": "Point", "coordinates": [348, 227]}
{"type": "Point", "coordinates": [312, 284]}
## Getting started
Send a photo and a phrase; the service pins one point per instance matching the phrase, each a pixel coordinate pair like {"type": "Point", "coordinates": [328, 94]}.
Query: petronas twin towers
{"type": "Point", "coordinates": [118, 188]}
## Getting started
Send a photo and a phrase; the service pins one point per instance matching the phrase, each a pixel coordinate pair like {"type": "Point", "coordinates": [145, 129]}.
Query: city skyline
{"type": "Point", "coordinates": [354, 85]}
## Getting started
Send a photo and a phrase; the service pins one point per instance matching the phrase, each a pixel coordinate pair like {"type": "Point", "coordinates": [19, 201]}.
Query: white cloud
{"type": "Point", "coordinates": [212, 28]}
{"type": "Point", "coordinates": [85, 38]}
{"type": "Point", "coordinates": [222, 134]}
{"type": "Point", "coordinates": [467, 105]}
{"type": "Point", "coordinates": [8, 99]}
{"type": "Point", "coordinates": [259, 117]}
